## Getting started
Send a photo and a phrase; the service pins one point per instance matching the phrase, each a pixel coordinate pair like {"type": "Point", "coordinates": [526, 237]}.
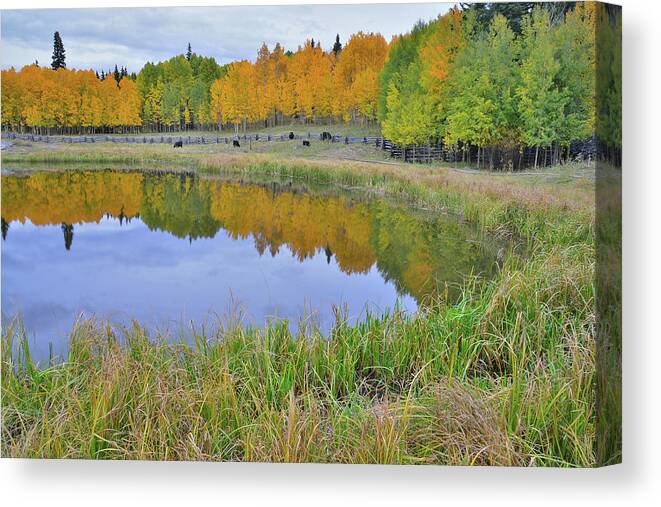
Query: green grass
{"type": "Point", "coordinates": [504, 376]}
{"type": "Point", "coordinates": [25, 152]}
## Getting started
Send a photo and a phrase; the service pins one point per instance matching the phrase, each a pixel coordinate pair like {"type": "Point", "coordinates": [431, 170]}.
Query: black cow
{"type": "Point", "coordinates": [326, 136]}
{"type": "Point", "coordinates": [235, 143]}
{"type": "Point", "coordinates": [291, 135]}
{"type": "Point", "coordinates": [306, 143]}
{"type": "Point", "coordinates": [178, 144]}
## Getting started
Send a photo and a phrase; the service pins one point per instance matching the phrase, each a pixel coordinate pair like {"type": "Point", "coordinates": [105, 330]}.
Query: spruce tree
{"type": "Point", "coordinates": [116, 74]}
{"type": "Point", "coordinates": [337, 47]}
{"type": "Point", "coordinates": [189, 52]}
{"type": "Point", "coordinates": [58, 53]}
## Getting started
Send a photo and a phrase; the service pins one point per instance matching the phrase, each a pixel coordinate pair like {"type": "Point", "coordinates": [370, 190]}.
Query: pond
{"type": "Point", "coordinates": [168, 248]}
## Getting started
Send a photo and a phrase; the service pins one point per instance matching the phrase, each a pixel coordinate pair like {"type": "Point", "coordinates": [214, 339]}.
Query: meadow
{"type": "Point", "coordinates": [506, 375]}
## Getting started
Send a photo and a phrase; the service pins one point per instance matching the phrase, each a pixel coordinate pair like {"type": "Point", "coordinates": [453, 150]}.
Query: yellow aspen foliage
{"type": "Point", "coordinates": [67, 100]}
{"type": "Point", "coordinates": [309, 84]}
{"type": "Point", "coordinates": [129, 104]}
{"type": "Point", "coordinates": [364, 53]}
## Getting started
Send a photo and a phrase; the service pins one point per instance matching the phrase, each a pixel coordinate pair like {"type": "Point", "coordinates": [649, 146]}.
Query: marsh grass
{"type": "Point", "coordinates": [503, 376]}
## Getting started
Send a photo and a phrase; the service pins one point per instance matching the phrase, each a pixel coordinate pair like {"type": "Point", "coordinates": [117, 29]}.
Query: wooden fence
{"type": "Point", "coordinates": [491, 157]}
{"type": "Point", "coordinates": [170, 139]}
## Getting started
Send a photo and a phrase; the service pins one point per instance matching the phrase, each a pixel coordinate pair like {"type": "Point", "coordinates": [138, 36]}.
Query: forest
{"type": "Point", "coordinates": [478, 77]}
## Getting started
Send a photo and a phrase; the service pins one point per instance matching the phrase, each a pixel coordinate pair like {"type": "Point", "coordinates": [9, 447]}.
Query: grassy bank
{"type": "Point", "coordinates": [503, 376]}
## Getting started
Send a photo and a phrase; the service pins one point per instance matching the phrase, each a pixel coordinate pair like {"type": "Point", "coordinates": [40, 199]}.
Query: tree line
{"type": "Point", "coordinates": [60, 100]}
{"type": "Point", "coordinates": [309, 85]}
{"type": "Point", "coordinates": [501, 84]}
{"type": "Point", "coordinates": [192, 91]}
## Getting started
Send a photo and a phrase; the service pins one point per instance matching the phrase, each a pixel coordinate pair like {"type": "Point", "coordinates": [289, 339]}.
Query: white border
{"type": "Point", "coordinates": [51, 483]}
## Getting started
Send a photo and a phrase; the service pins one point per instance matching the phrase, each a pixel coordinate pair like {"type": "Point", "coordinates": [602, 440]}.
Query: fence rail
{"type": "Point", "coordinates": [171, 139]}
{"type": "Point", "coordinates": [492, 157]}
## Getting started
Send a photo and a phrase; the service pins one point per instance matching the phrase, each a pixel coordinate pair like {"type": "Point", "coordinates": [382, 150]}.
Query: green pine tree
{"type": "Point", "coordinates": [58, 53]}
{"type": "Point", "coordinates": [337, 47]}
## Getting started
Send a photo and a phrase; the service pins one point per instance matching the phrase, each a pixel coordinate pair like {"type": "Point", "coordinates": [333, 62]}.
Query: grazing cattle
{"type": "Point", "coordinates": [235, 143]}
{"type": "Point", "coordinates": [326, 136]}
{"type": "Point", "coordinates": [291, 135]}
{"type": "Point", "coordinates": [178, 144]}
{"type": "Point", "coordinates": [306, 143]}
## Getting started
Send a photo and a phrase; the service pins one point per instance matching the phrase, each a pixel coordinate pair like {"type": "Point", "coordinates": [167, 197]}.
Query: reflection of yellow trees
{"type": "Point", "coordinates": [418, 254]}
{"type": "Point", "coordinates": [421, 254]}
{"type": "Point", "coordinates": [305, 223]}
{"type": "Point", "coordinates": [71, 197]}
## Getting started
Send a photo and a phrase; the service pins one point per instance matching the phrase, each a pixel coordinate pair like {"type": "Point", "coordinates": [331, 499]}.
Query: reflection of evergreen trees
{"type": "Point", "coordinates": [67, 230]}
{"type": "Point", "coordinates": [5, 228]}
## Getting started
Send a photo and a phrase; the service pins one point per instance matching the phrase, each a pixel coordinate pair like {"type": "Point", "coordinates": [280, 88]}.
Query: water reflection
{"type": "Point", "coordinates": [165, 247]}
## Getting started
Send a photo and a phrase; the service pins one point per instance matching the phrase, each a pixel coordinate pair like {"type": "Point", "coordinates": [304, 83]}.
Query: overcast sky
{"type": "Point", "coordinates": [101, 38]}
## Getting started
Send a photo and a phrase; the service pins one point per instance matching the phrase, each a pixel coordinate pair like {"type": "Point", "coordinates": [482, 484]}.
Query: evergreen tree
{"type": "Point", "coordinates": [337, 47]}
{"type": "Point", "coordinates": [58, 53]}
{"type": "Point", "coordinates": [485, 12]}
{"type": "Point", "coordinates": [97, 75]}
{"type": "Point", "coordinates": [189, 52]}
{"type": "Point", "coordinates": [116, 74]}
{"type": "Point", "coordinates": [103, 75]}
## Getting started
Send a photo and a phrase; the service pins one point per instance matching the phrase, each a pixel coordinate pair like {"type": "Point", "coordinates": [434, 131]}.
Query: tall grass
{"type": "Point", "coordinates": [503, 376]}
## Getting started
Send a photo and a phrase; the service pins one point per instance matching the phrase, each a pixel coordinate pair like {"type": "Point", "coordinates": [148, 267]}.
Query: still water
{"type": "Point", "coordinates": [170, 248]}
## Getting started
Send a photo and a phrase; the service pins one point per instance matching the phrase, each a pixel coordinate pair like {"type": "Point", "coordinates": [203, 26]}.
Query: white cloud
{"type": "Point", "coordinates": [101, 38]}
